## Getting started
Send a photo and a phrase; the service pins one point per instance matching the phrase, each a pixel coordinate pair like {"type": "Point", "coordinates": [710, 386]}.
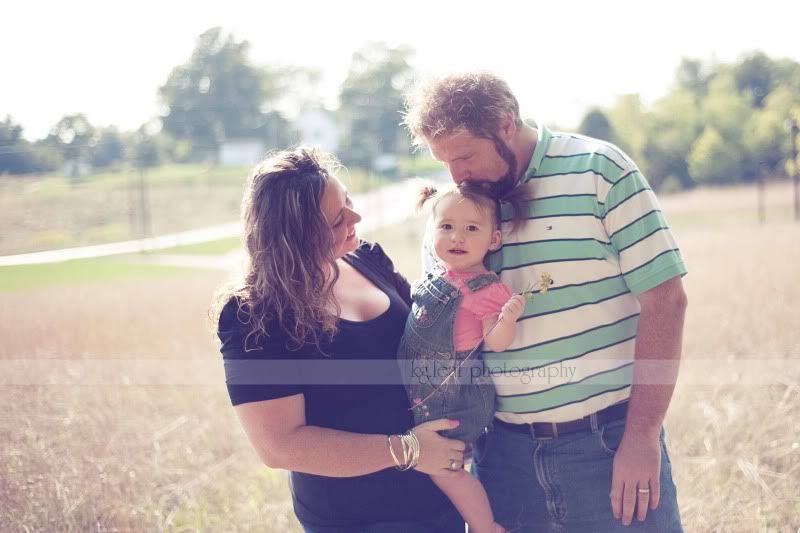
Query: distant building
{"type": "Point", "coordinates": [241, 152]}
{"type": "Point", "coordinates": [318, 127]}
{"type": "Point", "coordinates": [76, 168]}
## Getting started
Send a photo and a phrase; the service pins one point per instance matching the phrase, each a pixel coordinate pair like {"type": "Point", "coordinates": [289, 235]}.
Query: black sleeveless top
{"type": "Point", "coordinates": [326, 503]}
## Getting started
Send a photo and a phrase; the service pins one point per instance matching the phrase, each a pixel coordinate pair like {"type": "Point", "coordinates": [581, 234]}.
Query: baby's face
{"type": "Point", "coordinates": [463, 233]}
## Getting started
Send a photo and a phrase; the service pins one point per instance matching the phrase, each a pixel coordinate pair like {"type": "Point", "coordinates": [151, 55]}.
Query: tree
{"type": "Point", "coordinates": [371, 100]}
{"type": "Point", "coordinates": [725, 109]}
{"type": "Point", "coordinates": [766, 136]}
{"type": "Point", "coordinates": [143, 148]}
{"type": "Point", "coordinates": [713, 160]}
{"type": "Point", "coordinates": [694, 77]}
{"type": "Point", "coordinates": [672, 129]}
{"type": "Point", "coordinates": [16, 154]}
{"type": "Point", "coordinates": [596, 124]}
{"type": "Point", "coordinates": [628, 120]}
{"type": "Point", "coordinates": [755, 77]}
{"type": "Point", "coordinates": [72, 135]}
{"type": "Point", "coordinates": [108, 148]}
{"type": "Point", "coordinates": [217, 94]}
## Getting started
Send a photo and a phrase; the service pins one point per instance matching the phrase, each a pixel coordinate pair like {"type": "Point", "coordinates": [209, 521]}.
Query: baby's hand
{"type": "Point", "coordinates": [513, 308]}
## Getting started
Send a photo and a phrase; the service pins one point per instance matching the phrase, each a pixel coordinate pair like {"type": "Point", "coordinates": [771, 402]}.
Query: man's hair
{"type": "Point", "coordinates": [475, 101]}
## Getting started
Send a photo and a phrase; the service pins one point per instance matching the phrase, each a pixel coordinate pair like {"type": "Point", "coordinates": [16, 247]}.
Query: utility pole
{"type": "Point", "coordinates": [793, 128]}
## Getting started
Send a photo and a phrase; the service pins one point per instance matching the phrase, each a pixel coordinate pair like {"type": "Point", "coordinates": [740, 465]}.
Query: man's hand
{"type": "Point", "coordinates": [635, 479]}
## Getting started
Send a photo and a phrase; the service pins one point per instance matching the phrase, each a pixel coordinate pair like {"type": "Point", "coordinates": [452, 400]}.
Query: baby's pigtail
{"type": "Point", "coordinates": [426, 192]}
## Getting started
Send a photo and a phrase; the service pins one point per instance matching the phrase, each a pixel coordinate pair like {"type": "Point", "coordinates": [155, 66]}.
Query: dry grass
{"type": "Point", "coordinates": [173, 457]}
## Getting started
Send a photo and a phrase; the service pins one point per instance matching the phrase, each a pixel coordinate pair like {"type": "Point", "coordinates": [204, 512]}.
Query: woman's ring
{"type": "Point", "coordinates": [453, 464]}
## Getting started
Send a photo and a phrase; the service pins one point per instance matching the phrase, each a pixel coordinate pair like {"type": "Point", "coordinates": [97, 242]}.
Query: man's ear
{"type": "Point", "coordinates": [497, 240]}
{"type": "Point", "coordinates": [508, 128]}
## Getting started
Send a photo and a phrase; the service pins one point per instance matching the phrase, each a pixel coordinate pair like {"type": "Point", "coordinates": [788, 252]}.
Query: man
{"type": "Point", "coordinates": [584, 387]}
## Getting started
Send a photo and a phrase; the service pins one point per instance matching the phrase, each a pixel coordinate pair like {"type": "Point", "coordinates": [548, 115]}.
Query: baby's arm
{"type": "Point", "coordinates": [499, 338]}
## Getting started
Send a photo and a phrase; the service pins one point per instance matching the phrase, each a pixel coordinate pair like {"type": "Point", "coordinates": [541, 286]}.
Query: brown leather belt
{"type": "Point", "coordinates": [545, 430]}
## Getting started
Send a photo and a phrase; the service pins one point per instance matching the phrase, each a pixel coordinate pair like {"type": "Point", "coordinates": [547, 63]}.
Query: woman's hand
{"type": "Point", "coordinates": [438, 455]}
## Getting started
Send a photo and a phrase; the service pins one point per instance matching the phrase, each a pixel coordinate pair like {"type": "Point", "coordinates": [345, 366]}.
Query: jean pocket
{"type": "Point", "coordinates": [610, 436]}
{"type": "Point", "coordinates": [481, 448]}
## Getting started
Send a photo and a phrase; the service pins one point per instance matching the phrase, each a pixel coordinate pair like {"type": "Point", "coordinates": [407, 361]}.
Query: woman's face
{"type": "Point", "coordinates": [338, 211]}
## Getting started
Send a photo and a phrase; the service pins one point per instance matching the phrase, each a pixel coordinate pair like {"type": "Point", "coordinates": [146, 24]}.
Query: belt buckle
{"type": "Point", "coordinates": [555, 432]}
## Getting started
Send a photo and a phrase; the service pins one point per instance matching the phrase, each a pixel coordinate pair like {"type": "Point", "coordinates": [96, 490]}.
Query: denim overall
{"type": "Point", "coordinates": [427, 356]}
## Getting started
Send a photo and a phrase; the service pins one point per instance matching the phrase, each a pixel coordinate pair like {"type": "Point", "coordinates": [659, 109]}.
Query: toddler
{"type": "Point", "coordinates": [458, 306]}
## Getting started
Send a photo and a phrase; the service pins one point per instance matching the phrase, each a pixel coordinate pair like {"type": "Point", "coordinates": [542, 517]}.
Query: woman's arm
{"type": "Point", "coordinates": [277, 430]}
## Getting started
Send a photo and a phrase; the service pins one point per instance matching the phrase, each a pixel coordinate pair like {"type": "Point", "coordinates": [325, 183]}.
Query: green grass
{"type": "Point", "coordinates": [218, 247]}
{"type": "Point", "coordinates": [80, 271]}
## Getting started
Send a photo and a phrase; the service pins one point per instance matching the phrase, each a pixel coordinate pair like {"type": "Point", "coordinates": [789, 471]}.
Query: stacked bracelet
{"type": "Point", "coordinates": [397, 463]}
{"type": "Point", "coordinates": [410, 445]}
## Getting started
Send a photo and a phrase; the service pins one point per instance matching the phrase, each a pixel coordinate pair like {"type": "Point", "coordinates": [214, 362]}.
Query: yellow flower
{"type": "Point", "coordinates": [545, 280]}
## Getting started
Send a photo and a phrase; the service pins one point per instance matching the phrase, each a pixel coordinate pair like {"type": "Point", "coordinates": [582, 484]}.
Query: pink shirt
{"type": "Point", "coordinates": [475, 306]}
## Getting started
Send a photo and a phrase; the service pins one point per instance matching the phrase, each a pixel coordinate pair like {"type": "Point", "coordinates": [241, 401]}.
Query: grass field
{"type": "Point", "coordinates": [129, 454]}
{"type": "Point", "coordinates": [43, 213]}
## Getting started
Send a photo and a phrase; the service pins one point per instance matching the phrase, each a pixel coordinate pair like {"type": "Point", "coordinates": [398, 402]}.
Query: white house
{"type": "Point", "coordinates": [318, 127]}
{"type": "Point", "coordinates": [241, 152]}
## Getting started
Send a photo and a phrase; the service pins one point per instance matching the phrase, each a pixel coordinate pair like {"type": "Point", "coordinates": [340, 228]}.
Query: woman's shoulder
{"type": "Point", "coordinates": [373, 254]}
{"type": "Point", "coordinates": [235, 329]}
{"type": "Point", "coordinates": [233, 316]}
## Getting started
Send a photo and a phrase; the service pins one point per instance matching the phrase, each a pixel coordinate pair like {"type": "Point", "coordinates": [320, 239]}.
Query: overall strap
{"type": "Point", "coordinates": [483, 280]}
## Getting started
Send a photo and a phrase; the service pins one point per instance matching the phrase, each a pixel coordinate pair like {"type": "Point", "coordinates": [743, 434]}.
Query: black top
{"type": "Point", "coordinates": [324, 502]}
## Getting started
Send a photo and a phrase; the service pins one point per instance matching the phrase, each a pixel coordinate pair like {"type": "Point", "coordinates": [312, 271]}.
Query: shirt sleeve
{"type": "Point", "coordinates": [638, 231]}
{"type": "Point", "coordinates": [256, 371]}
{"type": "Point", "coordinates": [378, 258]}
{"type": "Point", "coordinates": [488, 301]}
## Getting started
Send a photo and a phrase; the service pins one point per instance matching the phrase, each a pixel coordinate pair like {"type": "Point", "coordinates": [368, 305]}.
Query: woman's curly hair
{"type": "Point", "coordinates": [290, 269]}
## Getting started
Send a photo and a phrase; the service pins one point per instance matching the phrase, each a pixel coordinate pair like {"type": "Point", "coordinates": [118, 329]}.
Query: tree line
{"type": "Point", "coordinates": [719, 123]}
{"type": "Point", "coordinates": [218, 95]}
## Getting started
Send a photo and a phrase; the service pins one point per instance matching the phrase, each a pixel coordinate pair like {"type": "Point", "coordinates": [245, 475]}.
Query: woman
{"type": "Point", "coordinates": [314, 300]}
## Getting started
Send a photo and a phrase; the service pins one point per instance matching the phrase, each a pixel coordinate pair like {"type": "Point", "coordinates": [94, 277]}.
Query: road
{"type": "Point", "coordinates": [385, 206]}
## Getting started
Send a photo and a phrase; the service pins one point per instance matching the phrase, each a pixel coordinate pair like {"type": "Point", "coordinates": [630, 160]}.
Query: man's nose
{"type": "Point", "coordinates": [458, 174]}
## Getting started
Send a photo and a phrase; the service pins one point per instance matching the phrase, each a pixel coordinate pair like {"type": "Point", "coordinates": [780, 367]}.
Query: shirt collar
{"type": "Point", "coordinates": [542, 144]}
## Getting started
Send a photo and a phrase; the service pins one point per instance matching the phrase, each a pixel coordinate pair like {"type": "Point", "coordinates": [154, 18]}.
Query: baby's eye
{"type": "Point", "coordinates": [446, 226]}
{"type": "Point", "coordinates": [472, 227]}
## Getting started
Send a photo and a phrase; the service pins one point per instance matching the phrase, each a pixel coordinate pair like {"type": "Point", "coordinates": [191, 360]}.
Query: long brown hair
{"type": "Point", "coordinates": [290, 273]}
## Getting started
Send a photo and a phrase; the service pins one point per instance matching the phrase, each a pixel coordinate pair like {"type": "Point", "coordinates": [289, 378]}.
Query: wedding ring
{"type": "Point", "coordinates": [644, 491]}
{"type": "Point", "coordinates": [453, 464]}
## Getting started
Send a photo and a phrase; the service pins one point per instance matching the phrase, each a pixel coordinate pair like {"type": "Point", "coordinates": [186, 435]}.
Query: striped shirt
{"type": "Point", "coordinates": [595, 227]}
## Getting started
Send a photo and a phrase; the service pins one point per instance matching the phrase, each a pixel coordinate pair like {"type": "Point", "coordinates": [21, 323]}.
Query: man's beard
{"type": "Point", "coordinates": [500, 187]}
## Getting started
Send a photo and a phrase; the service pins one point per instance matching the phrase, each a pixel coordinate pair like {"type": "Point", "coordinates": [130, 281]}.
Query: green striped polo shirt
{"type": "Point", "coordinates": [595, 227]}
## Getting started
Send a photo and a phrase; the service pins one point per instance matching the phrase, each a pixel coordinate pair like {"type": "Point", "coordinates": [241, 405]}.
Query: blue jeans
{"type": "Point", "coordinates": [448, 521]}
{"type": "Point", "coordinates": [563, 484]}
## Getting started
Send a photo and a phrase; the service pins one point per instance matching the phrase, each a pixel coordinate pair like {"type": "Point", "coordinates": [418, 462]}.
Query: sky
{"type": "Point", "coordinates": [107, 59]}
